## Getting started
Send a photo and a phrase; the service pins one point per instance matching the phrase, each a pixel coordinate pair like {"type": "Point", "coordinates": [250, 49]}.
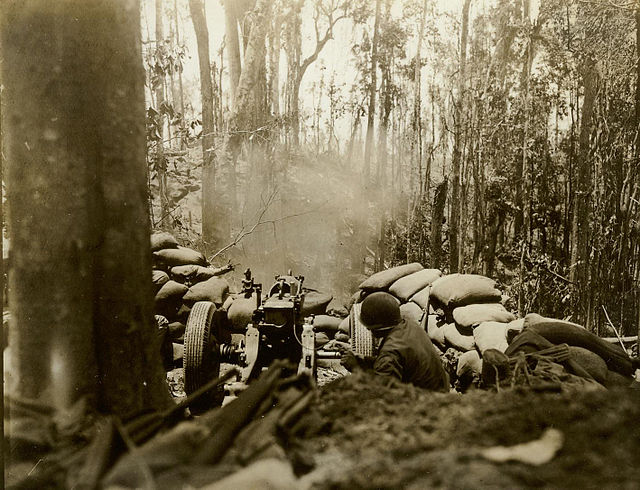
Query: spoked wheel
{"type": "Point", "coordinates": [361, 339]}
{"type": "Point", "coordinates": [201, 354]}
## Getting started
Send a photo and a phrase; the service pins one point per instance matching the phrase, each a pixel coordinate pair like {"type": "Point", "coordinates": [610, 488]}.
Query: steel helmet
{"type": "Point", "coordinates": [380, 311]}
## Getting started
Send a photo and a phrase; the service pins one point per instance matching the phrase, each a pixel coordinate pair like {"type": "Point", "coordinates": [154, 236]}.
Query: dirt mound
{"type": "Point", "coordinates": [395, 435]}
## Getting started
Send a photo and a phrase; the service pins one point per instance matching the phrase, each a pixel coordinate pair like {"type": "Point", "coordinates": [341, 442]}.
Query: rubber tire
{"type": "Point", "coordinates": [362, 341]}
{"type": "Point", "coordinates": [201, 350]}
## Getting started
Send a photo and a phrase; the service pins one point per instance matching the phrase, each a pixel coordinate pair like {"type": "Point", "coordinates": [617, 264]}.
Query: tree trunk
{"type": "Point", "coordinates": [239, 122]}
{"type": "Point", "coordinates": [582, 195]}
{"type": "Point", "coordinates": [637, 150]}
{"type": "Point", "coordinates": [368, 145]}
{"type": "Point", "coordinates": [209, 184]}
{"type": "Point", "coordinates": [233, 48]}
{"type": "Point", "coordinates": [161, 164]}
{"type": "Point", "coordinates": [180, 84]}
{"type": "Point", "coordinates": [79, 220]}
{"type": "Point", "coordinates": [293, 48]}
{"type": "Point", "coordinates": [437, 218]}
{"type": "Point", "coordinates": [274, 66]}
{"type": "Point", "coordinates": [454, 225]}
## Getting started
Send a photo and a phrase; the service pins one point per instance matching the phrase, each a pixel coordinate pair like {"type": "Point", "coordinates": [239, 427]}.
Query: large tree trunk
{"type": "Point", "coordinates": [80, 292]}
{"type": "Point", "coordinates": [637, 153]}
{"type": "Point", "coordinates": [582, 195]}
{"type": "Point", "coordinates": [454, 224]}
{"type": "Point", "coordinates": [371, 111]}
{"type": "Point", "coordinates": [209, 215]}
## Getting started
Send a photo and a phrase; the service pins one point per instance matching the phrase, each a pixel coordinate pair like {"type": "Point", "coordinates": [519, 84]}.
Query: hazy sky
{"type": "Point", "coordinates": [335, 58]}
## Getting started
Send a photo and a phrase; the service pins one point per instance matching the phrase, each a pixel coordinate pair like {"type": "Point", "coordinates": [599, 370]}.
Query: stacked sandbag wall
{"type": "Point", "coordinates": [464, 317]}
{"type": "Point", "coordinates": [181, 276]}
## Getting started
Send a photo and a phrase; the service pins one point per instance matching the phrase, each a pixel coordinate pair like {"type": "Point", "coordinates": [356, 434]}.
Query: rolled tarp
{"type": "Point", "coordinates": [566, 333]}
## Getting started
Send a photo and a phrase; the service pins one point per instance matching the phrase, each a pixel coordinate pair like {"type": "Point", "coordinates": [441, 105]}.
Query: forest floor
{"type": "Point", "coordinates": [365, 434]}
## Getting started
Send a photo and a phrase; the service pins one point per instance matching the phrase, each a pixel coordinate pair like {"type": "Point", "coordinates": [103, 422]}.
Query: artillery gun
{"type": "Point", "coordinates": [277, 330]}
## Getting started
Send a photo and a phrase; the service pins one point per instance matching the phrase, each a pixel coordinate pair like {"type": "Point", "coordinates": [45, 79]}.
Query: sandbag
{"type": "Point", "coordinates": [469, 363]}
{"type": "Point", "coordinates": [411, 312]}
{"type": "Point", "coordinates": [405, 287]}
{"type": "Point", "coordinates": [321, 339]}
{"type": "Point", "coordinates": [468, 370]}
{"type": "Point", "coordinates": [171, 290]}
{"type": "Point", "coordinates": [456, 339]}
{"type": "Point", "coordinates": [592, 363]}
{"type": "Point", "coordinates": [475, 314]}
{"type": "Point", "coordinates": [383, 279]}
{"type": "Point", "coordinates": [514, 328]}
{"type": "Point", "coordinates": [495, 367]}
{"type": "Point", "coordinates": [491, 335]}
{"type": "Point", "coordinates": [241, 311]}
{"type": "Point", "coordinates": [617, 380]}
{"type": "Point", "coordinates": [326, 323]}
{"type": "Point", "coordinates": [159, 279]}
{"type": "Point", "coordinates": [175, 331]}
{"type": "Point", "coordinates": [534, 319]}
{"type": "Point", "coordinates": [421, 298]}
{"type": "Point", "coordinates": [315, 303]}
{"type": "Point", "coordinates": [228, 302]}
{"type": "Point", "coordinates": [356, 297]}
{"type": "Point", "coordinates": [215, 290]}
{"type": "Point", "coordinates": [563, 332]}
{"type": "Point", "coordinates": [191, 273]}
{"type": "Point", "coordinates": [457, 289]}
{"type": "Point", "coordinates": [345, 326]}
{"type": "Point", "coordinates": [162, 239]}
{"type": "Point", "coordinates": [435, 331]}
{"type": "Point", "coordinates": [335, 308]}
{"type": "Point", "coordinates": [169, 298]}
{"type": "Point", "coordinates": [171, 257]}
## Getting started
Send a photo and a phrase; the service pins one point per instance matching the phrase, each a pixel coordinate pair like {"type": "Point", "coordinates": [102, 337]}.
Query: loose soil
{"type": "Point", "coordinates": [364, 433]}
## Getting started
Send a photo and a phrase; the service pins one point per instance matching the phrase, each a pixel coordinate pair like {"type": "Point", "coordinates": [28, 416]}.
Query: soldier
{"type": "Point", "coordinates": [405, 351]}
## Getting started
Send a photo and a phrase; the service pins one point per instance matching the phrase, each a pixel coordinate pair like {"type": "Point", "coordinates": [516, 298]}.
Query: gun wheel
{"type": "Point", "coordinates": [361, 339]}
{"type": "Point", "coordinates": [201, 350]}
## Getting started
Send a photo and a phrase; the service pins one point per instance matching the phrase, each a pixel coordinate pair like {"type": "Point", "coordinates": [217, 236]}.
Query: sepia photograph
{"type": "Point", "coordinates": [320, 244]}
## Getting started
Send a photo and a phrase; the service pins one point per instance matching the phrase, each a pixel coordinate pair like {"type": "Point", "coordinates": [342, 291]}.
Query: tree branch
{"type": "Point", "coordinates": [320, 42]}
{"type": "Point", "coordinates": [259, 222]}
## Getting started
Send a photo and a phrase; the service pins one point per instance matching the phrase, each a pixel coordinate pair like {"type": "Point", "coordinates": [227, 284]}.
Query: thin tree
{"type": "Point", "coordinates": [209, 217]}
{"type": "Point", "coordinates": [579, 274]}
{"type": "Point", "coordinates": [454, 224]}
{"type": "Point", "coordinates": [371, 111]}
{"type": "Point", "coordinates": [161, 163]}
{"type": "Point", "coordinates": [326, 13]}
